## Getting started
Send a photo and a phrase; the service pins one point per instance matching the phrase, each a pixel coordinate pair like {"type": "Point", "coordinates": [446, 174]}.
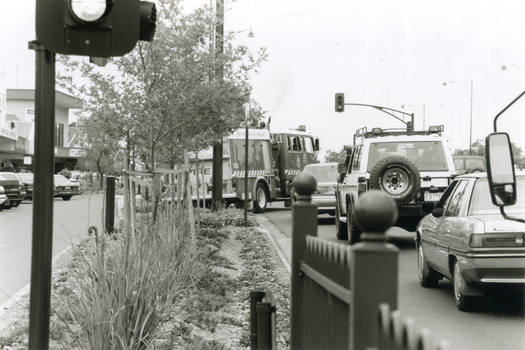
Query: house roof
{"type": "Point", "coordinates": [61, 99]}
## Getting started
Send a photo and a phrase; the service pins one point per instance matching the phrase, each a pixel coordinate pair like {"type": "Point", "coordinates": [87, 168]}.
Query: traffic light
{"type": "Point", "coordinates": [339, 102]}
{"type": "Point", "coordinates": [96, 28]}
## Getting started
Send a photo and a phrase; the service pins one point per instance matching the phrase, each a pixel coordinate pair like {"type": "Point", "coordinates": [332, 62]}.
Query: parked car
{"type": "Point", "coordinates": [14, 189]}
{"type": "Point", "coordinates": [27, 180]}
{"type": "Point", "coordinates": [65, 188]}
{"type": "Point", "coordinates": [469, 164]}
{"type": "Point", "coordinates": [467, 240]}
{"type": "Point", "coordinates": [326, 175]}
{"type": "Point", "coordinates": [3, 198]}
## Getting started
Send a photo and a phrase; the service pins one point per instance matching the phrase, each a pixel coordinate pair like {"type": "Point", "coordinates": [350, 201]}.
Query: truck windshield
{"type": "Point", "coordinates": [426, 155]}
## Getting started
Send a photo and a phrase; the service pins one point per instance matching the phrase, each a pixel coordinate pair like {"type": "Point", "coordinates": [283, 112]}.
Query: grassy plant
{"type": "Point", "coordinates": [121, 291]}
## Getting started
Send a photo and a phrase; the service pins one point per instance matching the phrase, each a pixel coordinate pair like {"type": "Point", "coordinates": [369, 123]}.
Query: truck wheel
{"type": "Point", "coordinates": [340, 226]}
{"type": "Point", "coordinates": [261, 199]}
{"type": "Point", "coordinates": [354, 233]}
{"type": "Point", "coordinates": [397, 176]}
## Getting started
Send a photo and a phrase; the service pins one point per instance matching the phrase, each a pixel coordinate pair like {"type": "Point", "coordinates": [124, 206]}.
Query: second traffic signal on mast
{"type": "Point", "coordinates": [339, 102]}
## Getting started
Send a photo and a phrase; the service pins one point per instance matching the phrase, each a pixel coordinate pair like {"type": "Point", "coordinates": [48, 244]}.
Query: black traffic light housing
{"type": "Point", "coordinates": [62, 28]}
{"type": "Point", "coordinates": [339, 102]}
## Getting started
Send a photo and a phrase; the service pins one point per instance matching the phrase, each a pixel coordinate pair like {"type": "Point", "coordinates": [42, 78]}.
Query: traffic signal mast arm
{"type": "Point", "coordinates": [390, 111]}
{"type": "Point", "coordinates": [340, 107]}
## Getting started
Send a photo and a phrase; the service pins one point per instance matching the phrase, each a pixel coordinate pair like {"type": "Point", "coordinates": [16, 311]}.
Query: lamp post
{"type": "Point", "coordinates": [413, 107]}
{"type": "Point", "coordinates": [470, 97]}
{"type": "Point", "coordinates": [505, 64]}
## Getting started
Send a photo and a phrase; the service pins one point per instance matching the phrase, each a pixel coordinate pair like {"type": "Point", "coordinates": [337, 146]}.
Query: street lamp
{"type": "Point", "coordinates": [504, 67]}
{"type": "Point", "coordinates": [470, 97]}
{"type": "Point", "coordinates": [403, 106]}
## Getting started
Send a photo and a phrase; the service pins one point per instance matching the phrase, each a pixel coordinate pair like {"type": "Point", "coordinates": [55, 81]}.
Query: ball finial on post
{"type": "Point", "coordinates": [304, 185]}
{"type": "Point", "coordinates": [375, 212]}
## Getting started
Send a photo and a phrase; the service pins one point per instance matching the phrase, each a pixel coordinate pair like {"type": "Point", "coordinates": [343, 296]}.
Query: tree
{"type": "Point", "coordinates": [168, 95]}
{"type": "Point", "coordinates": [478, 149]}
{"type": "Point", "coordinates": [335, 157]}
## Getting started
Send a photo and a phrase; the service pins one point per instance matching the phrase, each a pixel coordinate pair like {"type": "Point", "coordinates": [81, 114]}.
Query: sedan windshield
{"type": "Point", "coordinates": [25, 176]}
{"type": "Point", "coordinates": [426, 155]}
{"type": "Point", "coordinates": [323, 173]}
{"type": "Point", "coordinates": [61, 179]}
{"type": "Point", "coordinates": [8, 177]}
{"type": "Point", "coordinates": [481, 203]}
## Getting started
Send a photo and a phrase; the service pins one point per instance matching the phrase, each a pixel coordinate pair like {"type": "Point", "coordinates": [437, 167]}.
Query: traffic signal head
{"type": "Point", "coordinates": [96, 28]}
{"type": "Point", "coordinates": [339, 102]}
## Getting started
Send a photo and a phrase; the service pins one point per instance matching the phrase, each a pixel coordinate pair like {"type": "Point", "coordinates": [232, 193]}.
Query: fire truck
{"type": "Point", "coordinates": [274, 159]}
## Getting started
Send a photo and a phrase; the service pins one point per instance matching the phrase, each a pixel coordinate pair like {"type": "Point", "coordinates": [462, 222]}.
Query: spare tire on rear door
{"type": "Point", "coordinates": [397, 176]}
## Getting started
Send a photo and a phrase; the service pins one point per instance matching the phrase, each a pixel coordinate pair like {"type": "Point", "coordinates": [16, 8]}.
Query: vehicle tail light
{"type": "Point", "coordinates": [497, 240]}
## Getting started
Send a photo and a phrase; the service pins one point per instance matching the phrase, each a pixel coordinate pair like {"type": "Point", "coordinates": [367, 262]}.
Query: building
{"type": "Point", "coordinates": [17, 130]}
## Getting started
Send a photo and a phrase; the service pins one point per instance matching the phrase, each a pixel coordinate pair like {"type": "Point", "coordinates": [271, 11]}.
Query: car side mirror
{"type": "Point", "coordinates": [437, 212]}
{"type": "Point", "coordinates": [500, 169]}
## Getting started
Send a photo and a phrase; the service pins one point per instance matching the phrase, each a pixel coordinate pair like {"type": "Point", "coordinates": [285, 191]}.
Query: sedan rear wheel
{"type": "Point", "coordinates": [428, 277]}
{"type": "Point", "coordinates": [66, 198]}
{"type": "Point", "coordinates": [463, 302]}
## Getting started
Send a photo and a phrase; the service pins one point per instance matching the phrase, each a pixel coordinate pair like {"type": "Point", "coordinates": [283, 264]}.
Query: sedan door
{"type": "Point", "coordinates": [449, 227]}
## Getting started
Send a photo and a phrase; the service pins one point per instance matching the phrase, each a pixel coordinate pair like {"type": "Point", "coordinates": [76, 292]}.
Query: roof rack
{"type": "Point", "coordinates": [363, 133]}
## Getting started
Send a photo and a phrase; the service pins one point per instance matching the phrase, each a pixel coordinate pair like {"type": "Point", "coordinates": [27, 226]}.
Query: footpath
{"type": "Point", "coordinates": [281, 242]}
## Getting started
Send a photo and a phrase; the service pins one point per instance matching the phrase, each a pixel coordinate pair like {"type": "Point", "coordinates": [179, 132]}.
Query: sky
{"type": "Point", "coordinates": [382, 53]}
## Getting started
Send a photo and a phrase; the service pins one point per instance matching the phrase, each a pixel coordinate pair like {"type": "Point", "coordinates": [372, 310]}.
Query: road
{"type": "Point", "coordinates": [71, 222]}
{"type": "Point", "coordinates": [498, 324]}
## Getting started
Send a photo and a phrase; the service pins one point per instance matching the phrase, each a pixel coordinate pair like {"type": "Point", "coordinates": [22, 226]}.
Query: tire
{"type": "Point", "coordinates": [428, 277]}
{"type": "Point", "coordinates": [396, 176]}
{"type": "Point", "coordinates": [261, 199]}
{"type": "Point", "coordinates": [8, 205]}
{"type": "Point", "coordinates": [66, 198]}
{"type": "Point", "coordinates": [463, 302]}
{"type": "Point", "coordinates": [354, 233]}
{"type": "Point", "coordinates": [15, 204]}
{"type": "Point", "coordinates": [340, 226]}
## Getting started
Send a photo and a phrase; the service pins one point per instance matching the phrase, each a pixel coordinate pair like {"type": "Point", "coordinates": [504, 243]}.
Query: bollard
{"type": "Point", "coordinates": [304, 222]}
{"type": "Point", "coordinates": [255, 297]}
{"type": "Point", "coordinates": [374, 274]}
{"type": "Point", "coordinates": [264, 325]}
{"type": "Point", "coordinates": [110, 204]}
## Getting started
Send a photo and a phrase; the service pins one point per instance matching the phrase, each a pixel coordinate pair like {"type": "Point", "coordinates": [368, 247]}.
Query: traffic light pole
{"type": "Point", "coordinates": [42, 240]}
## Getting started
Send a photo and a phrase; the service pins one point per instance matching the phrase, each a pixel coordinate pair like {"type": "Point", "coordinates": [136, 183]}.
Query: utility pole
{"type": "Point", "coordinates": [216, 194]}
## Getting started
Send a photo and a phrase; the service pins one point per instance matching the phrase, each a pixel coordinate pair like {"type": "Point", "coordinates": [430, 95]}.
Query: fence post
{"type": "Point", "coordinates": [256, 296]}
{"type": "Point", "coordinates": [304, 222]}
{"type": "Point", "coordinates": [110, 204]}
{"type": "Point", "coordinates": [374, 268]}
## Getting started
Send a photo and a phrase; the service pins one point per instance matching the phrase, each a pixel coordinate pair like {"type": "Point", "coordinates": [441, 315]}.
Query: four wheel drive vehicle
{"type": "Point", "coordinates": [14, 189]}
{"type": "Point", "coordinates": [324, 196]}
{"type": "Point", "coordinates": [412, 167]}
{"type": "Point", "coordinates": [469, 164]}
{"type": "Point", "coordinates": [65, 188]}
{"type": "Point", "coordinates": [27, 180]}
{"type": "Point", "coordinates": [468, 241]}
